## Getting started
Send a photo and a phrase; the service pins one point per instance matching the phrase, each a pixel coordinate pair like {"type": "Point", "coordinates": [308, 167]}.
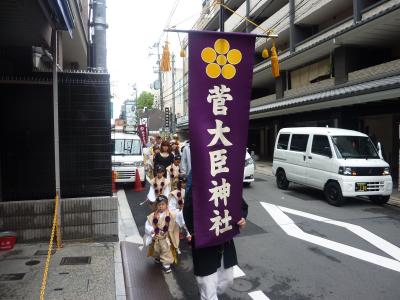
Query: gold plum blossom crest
{"type": "Point", "coordinates": [221, 60]}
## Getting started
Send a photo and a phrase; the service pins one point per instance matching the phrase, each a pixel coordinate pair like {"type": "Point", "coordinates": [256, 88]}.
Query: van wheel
{"type": "Point", "coordinates": [281, 180]}
{"type": "Point", "coordinates": [333, 194]}
{"type": "Point", "coordinates": [379, 199]}
{"type": "Point", "coordinates": [143, 183]}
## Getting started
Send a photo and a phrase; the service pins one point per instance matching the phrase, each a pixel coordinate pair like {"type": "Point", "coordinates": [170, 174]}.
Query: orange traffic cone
{"type": "Point", "coordinates": [138, 184]}
{"type": "Point", "coordinates": [113, 184]}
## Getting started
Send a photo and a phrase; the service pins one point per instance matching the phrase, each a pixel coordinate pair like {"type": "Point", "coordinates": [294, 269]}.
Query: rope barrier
{"type": "Point", "coordinates": [54, 229]}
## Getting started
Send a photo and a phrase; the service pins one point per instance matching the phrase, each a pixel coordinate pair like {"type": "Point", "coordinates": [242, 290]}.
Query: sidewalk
{"type": "Point", "coordinates": [21, 271]}
{"type": "Point", "coordinates": [265, 168]}
{"type": "Point", "coordinates": [102, 276]}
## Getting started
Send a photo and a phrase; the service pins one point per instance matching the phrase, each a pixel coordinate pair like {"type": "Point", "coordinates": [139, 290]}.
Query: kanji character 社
{"type": "Point", "coordinates": [218, 221]}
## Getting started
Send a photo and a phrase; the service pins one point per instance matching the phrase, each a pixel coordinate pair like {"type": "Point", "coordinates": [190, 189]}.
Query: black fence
{"type": "Point", "coordinates": [27, 147]}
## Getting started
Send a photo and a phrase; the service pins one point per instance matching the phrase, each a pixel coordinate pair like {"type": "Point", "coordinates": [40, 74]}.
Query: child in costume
{"type": "Point", "coordinates": [162, 235]}
{"type": "Point", "coordinates": [173, 172]}
{"type": "Point", "coordinates": [159, 186]}
{"type": "Point", "coordinates": [176, 201]}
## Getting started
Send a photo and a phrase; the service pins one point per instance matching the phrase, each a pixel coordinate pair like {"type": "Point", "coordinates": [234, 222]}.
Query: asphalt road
{"type": "Point", "coordinates": [296, 246]}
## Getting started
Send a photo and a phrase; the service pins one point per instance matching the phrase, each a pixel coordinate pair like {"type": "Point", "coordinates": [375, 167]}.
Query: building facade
{"type": "Point", "coordinates": [340, 67]}
{"type": "Point", "coordinates": [30, 31]}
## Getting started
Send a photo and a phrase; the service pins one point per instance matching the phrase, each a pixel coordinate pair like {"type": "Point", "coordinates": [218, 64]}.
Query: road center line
{"type": "Point", "coordinates": [258, 295]}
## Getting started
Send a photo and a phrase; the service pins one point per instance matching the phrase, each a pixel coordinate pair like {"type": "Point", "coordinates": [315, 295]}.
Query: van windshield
{"type": "Point", "coordinates": [354, 147]}
{"type": "Point", "coordinates": [126, 147]}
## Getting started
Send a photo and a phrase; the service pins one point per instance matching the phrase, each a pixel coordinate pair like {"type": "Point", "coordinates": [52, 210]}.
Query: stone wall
{"type": "Point", "coordinates": [93, 218]}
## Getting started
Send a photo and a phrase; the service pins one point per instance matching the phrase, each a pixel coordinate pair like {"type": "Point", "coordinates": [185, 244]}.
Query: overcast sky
{"type": "Point", "coordinates": [134, 26]}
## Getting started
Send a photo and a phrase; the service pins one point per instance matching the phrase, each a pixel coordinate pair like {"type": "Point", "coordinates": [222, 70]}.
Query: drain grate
{"type": "Point", "coordinates": [43, 252]}
{"type": "Point", "coordinates": [76, 260]}
{"type": "Point", "coordinates": [12, 277]}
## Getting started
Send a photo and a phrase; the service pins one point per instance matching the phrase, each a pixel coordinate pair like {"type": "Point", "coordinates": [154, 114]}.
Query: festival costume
{"type": "Point", "coordinates": [173, 173]}
{"type": "Point", "coordinates": [175, 204]}
{"type": "Point", "coordinates": [162, 237]}
{"type": "Point", "coordinates": [159, 186]}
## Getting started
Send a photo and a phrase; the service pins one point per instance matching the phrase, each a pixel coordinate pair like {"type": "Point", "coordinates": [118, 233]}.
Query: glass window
{"type": "Point", "coordinates": [299, 142]}
{"type": "Point", "coordinates": [283, 141]}
{"type": "Point", "coordinates": [354, 147]}
{"type": "Point", "coordinates": [320, 145]}
{"type": "Point", "coordinates": [127, 147]}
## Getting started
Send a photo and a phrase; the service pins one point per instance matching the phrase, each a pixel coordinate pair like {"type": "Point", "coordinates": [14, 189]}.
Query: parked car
{"type": "Point", "coordinates": [342, 163]}
{"type": "Point", "coordinates": [127, 156]}
{"type": "Point", "coordinates": [248, 176]}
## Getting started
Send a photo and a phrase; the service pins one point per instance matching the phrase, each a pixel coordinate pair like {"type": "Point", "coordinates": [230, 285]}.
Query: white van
{"type": "Point", "coordinates": [248, 176]}
{"type": "Point", "coordinates": [342, 163]}
{"type": "Point", "coordinates": [127, 157]}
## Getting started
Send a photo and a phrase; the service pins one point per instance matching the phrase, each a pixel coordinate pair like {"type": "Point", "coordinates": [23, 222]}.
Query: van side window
{"type": "Point", "coordinates": [283, 141]}
{"type": "Point", "coordinates": [320, 145]}
{"type": "Point", "coordinates": [299, 142]}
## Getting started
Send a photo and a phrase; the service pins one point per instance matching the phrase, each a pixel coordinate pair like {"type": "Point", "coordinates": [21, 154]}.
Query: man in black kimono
{"type": "Point", "coordinates": [213, 266]}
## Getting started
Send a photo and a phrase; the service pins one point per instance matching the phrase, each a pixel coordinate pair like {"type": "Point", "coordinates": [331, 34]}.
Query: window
{"type": "Point", "coordinates": [354, 147]}
{"type": "Point", "coordinates": [127, 147]}
{"type": "Point", "coordinates": [299, 142]}
{"type": "Point", "coordinates": [283, 141]}
{"type": "Point", "coordinates": [320, 145]}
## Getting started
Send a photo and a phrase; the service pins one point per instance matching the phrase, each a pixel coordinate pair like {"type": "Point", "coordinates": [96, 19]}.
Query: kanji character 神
{"type": "Point", "coordinates": [221, 192]}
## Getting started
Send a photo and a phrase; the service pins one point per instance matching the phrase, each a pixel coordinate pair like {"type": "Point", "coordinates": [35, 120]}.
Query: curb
{"type": "Point", "coordinates": [394, 201]}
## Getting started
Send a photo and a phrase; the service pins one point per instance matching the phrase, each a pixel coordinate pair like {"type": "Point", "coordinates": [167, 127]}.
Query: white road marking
{"type": "Point", "coordinates": [370, 237]}
{"type": "Point", "coordinates": [258, 295]}
{"type": "Point", "coordinates": [237, 272]}
{"type": "Point", "coordinates": [293, 230]}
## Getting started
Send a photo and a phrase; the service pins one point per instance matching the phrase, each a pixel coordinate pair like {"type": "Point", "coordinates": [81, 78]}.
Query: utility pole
{"type": "Point", "coordinates": [161, 86]}
{"type": "Point", "coordinates": [173, 94]}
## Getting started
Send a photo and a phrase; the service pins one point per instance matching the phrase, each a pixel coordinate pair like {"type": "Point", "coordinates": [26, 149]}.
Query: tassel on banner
{"type": "Point", "coordinates": [165, 65]}
{"type": "Point", "coordinates": [182, 53]}
{"type": "Point", "coordinates": [274, 62]}
{"type": "Point", "coordinates": [265, 53]}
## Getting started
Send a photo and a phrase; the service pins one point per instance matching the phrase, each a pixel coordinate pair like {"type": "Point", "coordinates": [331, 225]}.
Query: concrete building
{"type": "Point", "coordinates": [340, 66]}
{"type": "Point", "coordinates": [28, 31]}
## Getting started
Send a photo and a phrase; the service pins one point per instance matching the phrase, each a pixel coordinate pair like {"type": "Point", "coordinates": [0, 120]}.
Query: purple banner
{"type": "Point", "coordinates": [143, 134]}
{"type": "Point", "coordinates": [220, 76]}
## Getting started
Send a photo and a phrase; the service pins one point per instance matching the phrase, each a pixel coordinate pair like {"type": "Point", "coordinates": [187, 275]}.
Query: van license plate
{"type": "Point", "coordinates": [361, 187]}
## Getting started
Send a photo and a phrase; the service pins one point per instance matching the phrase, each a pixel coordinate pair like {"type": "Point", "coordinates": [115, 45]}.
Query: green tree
{"type": "Point", "coordinates": [145, 99]}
